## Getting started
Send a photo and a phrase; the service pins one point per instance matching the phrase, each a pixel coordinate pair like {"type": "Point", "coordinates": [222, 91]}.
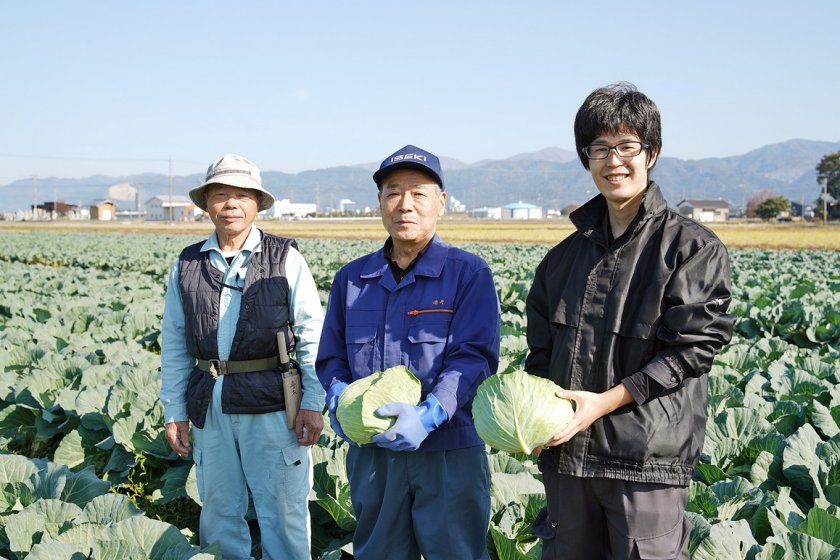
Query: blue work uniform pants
{"type": "Point", "coordinates": [237, 452]}
{"type": "Point", "coordinates": [408, 503]}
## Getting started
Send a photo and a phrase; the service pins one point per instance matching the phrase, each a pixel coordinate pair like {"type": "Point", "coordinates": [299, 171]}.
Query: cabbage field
{"type": "Point", "coordinates": [85, 471]}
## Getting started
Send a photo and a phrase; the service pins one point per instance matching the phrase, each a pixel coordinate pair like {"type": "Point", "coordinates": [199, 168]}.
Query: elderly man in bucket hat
{"type": "Point", "coordinates": [424, 488]}
{"type": "Point", "coordinates": [236, 305]}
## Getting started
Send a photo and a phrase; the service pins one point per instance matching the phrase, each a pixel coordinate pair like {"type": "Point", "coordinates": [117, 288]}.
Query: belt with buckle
{"type": "Point", "coordinates": [225, 367]}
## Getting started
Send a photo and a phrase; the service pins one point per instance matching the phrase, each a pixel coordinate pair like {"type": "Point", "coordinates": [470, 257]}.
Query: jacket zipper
{"type": "Point", "coordinates": [419, 311]}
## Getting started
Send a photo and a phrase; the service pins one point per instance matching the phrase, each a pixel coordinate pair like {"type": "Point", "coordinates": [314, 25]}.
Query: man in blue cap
{"type": "Point", "coordinates": [424, 486]}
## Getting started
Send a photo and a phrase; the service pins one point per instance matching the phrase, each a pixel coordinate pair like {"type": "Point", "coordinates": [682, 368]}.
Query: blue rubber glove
{"type": "Point", "coordinates": [413, 424]}
{"type": "Point", "coordinates": [333, 393]}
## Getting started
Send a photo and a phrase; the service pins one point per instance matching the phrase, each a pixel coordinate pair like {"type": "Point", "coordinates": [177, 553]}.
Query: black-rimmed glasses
{"type": "Point", "coordinates": [622, 150]}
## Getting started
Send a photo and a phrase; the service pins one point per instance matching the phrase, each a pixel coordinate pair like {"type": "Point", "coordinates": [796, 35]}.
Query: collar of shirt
{"type": "Point", "coordinates": [377, 266]}
{"type": "Point", "coordinates": [252, 242]}
{"type": "Point", "coordinates": [607, 230]}
{"type": "Point", "coordinates": [400, 273]}
{"type": "Point", "coordinates": [238, 267]}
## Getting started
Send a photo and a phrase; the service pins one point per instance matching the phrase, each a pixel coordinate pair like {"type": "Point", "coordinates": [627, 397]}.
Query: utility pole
{"type": "Point", "coordinates": [802, 213]}
{"type": "Point", "coordinates": [169, 221]}
{"type": "Point", "coordinates": [825, 198]}
{"type": "Point", "coordinates": [138, 199]}
{"type": "Point", "coordinates": [34, 195]}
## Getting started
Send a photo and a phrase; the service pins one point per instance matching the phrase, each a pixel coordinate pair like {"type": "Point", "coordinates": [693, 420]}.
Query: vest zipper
{"type": "Point", "coordinates": [419, 311]}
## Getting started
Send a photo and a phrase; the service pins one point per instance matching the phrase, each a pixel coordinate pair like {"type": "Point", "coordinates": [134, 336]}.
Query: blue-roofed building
{"type": "Point", "coordinates": [521, 211]}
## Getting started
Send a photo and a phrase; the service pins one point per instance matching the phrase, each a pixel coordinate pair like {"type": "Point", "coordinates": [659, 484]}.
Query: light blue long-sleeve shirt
{"type": "Point", "coordinates": [304, 309]}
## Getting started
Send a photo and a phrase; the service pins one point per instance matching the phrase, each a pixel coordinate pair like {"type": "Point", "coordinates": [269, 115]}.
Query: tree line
{"type": "Point", "coordinates": [768, 205]}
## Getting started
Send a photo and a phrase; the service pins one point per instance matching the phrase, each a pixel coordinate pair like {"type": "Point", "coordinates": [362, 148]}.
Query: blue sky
{"type": "Point", "coordinates": [120, 87]}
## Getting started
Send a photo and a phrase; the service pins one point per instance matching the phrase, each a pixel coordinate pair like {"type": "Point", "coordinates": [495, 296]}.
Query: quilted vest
{"type": "Point", "coordinates": [263, 313]}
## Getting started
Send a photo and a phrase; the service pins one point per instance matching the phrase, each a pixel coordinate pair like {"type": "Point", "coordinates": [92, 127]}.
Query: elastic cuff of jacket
{"type": "Point", "coordinates": [333, 393]}
{"type": "Point", "coordinates": [635, 391]}
{"type": "Point", "coordinates": [449, 402]}
{"type": "Point", "coordinates": [663, 371]}
{"type": "Point", "coordinates": [431, 413]}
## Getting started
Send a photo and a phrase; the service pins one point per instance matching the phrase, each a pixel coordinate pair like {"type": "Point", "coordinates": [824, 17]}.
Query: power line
{"type": "Point", "coordinates": [75, 158]}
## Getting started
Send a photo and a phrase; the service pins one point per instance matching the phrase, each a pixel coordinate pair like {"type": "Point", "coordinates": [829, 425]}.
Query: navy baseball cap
{"type": "Point", "coordinates": [410, 157]}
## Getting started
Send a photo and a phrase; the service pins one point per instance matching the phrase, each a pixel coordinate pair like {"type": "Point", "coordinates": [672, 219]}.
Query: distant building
{"type": "Point", "coordinates": [797, 209]}
{"type": "Point", "coordinates": [521, 211]}
{"type": "Point", "coordinates": [346, 205]}
{"type": "Point", "coordinates": [56, 209]}
{"type": "Point", "coordinates": [455, 205]}
{"type": "Point", "coordinates": [831, 205]}
{"type": "Point", "coordinates": [130, 215]}
{"type": "Point", "coordinates": [177, 208]}
{"type": "Point", "coordinates": [103, 210]}
{"type": "Point", "coordinates": [705, 210]}
{"type": "Point", "coordinates": [494, 213]}
{"type": "Point", "coordinates": [569, 208]}
{"type": "Point", "coordinates": [286, 209]}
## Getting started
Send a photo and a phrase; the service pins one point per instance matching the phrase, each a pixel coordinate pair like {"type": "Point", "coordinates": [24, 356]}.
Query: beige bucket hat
{"type": "Point", "coordinates": [234, 171]}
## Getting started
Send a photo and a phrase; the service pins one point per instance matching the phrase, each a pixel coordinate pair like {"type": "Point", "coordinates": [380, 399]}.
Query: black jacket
{"type": "Point", "coordinates": [649, 311]}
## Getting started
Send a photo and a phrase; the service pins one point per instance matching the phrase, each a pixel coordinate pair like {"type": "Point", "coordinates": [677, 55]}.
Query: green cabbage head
{"type": "Point", "coordinates": [357, 403]}
{"type": "Point", "coordinates": [516, 412]}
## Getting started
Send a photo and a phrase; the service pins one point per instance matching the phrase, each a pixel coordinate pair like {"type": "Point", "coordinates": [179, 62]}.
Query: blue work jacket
{"type": "Point", "coordinates": [441, 321]}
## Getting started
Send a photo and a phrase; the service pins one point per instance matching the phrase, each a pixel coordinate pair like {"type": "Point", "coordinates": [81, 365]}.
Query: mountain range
{"type": "Point", "coordinates": [551, 178]}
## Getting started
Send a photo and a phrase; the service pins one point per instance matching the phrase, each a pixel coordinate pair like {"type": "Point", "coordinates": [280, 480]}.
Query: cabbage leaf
{"type": "Point", "coordinates": [516, 412]}
{"type": "Point", "coordinates": [359, 401]}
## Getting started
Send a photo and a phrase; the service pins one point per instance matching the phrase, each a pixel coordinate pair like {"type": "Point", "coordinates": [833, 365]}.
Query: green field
{"type": "Point", "coordinates": [86, 473]}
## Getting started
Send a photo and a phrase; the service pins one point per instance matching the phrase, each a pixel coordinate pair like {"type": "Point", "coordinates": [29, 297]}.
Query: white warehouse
{"type": "Point", "coordinates": [287, 209]}
{"type": "Point", "coordinates": [485, 212]}
{"type": "Point", "coordinates": [521, 211]}
{"type": "Point", "coordinates": [177, 208]}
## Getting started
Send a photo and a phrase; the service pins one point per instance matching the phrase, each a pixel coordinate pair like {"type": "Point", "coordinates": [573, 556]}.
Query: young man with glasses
{"type": "Point", "coordinates": [626, 316]}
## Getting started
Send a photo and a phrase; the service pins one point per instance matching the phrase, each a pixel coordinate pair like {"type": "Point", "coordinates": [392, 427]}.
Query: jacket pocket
{"type": "Point", "coordinates": [426, 348]}
{"type": "Point", "coordinates": [640, 434]}
{"type": "Point", "coordinates": [561, 318]}
{"type": "Point", "coordinates": [361, 344]}
{"type": "Point", "coordinates": [564, 332]}
{"type": "Point", "coordinates": [632, 345]}
{"type": "Point", "coordinates": [428, 333]}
